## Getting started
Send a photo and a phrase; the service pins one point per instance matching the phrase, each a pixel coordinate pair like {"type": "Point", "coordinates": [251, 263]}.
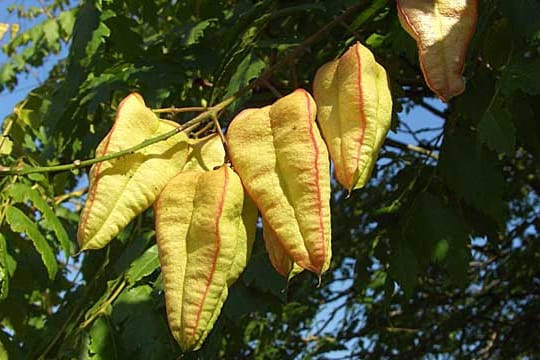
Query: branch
{"type": "Point", "coordinates": [179, 110]}
{"type": "Point", "coordinates": [410, 147]}
{"type": "Point", "coordinates": [432, 109]}
{"type": "Point", "coordinates": [304, 45]}
{"type": "Point", "coordinates": [79, 164]}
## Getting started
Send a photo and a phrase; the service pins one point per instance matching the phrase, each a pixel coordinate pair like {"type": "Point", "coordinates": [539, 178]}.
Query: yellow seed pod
{"type": "Point", "coordinates": [442, 30]}
{"type": "Point", "coordinates": [283, 163]}
{"type": "Point", "coordinates": [354, 113]}
{"type": "Point", "coordinates": [205, 154]}
{"type": "Point", "coordinates": [205, 228]}
{"type": "Point", "coordinates": [279, 257]}
{"type": "Point", "coordinates": [123, 187]}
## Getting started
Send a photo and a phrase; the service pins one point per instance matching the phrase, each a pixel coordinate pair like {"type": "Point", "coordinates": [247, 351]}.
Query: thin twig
{"type": "Point", "coordinates": [272, 89]}
{"type": "Point", "coordinates": [77, 193]}
{"type": "Point", "coordinates": [418, 149]}
{"type": "Point", "coordinates": [45, 9]}
{"type": "Point", "coordinates": [304, 45]}
{"type": "Point", "coordinates": [105, 304]}
{"type": "Point", "coordinates": [219, 131]}
{"type": "Point", "coordinates": [204, 129]}
{"type": "Point", "coordinates": [176, 110]}
{"type": "Point", "coordinates": [432, 109]}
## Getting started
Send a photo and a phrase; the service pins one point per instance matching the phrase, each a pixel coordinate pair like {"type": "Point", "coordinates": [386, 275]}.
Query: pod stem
{"type": "Point", "coordinates": [188, 126]}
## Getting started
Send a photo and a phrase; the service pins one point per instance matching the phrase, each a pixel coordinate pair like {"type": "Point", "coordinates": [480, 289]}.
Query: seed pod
{"type": "Point", "coordinates": [123, 187]}
{"type": "Point", "coordinates": [442, 30]}
{"type": "Point", "coordinates": [283, 163]}
{"type": "Point", "coordinates": [205, 154]}
{"type": "Point", "coordinates": [205, 228]}
{"type": "Point", "coordinates": [354, 113]}
{"type": "Point", "coordinates": [279, 257]}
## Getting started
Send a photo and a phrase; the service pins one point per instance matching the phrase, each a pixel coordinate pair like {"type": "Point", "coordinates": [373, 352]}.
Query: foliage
{"type": "Point", "coordinates": [436, 257]}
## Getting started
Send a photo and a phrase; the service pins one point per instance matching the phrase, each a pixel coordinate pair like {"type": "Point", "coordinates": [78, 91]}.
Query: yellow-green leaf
{"type": "Point", "coordinates": [6, 145]}
{"type": "Point", "coordinates": [123, 187]}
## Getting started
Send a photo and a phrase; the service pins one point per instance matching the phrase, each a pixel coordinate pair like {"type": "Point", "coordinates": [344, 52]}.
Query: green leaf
{"type": "Point", "coordinates": [250, 68]}
{"type": "Point", "coordinates": [520, 13]}
{"type": "Point", "coordinates": [3, 351]}
{"type": "Point", "coordinates": [499, 33]}
{"type": "Point", "coordinates": [6, 145]}
{"type": "Point", "coordinates": [474, 174]}
{"type": "Point", "coordinates": [101, 305]}
{"type": "Point", "coordinates": [522, 75]}
{"type": "Point", "coordinates": [4, 273]}
{"type": "Point", "coordinates": [375, 40]}
{"type": "Point", "coordinates": [497, 130]}
{"type": "Point", "coordinates": [261, 274]}
{"type": "Point", "coordinates": [143, 266]}
{"type": "Point", "coordinates": [404, 265]}
{"type": "Point", "coordinates": [20, 223]}
{"type": "Point", "coordinates": [82, 46]}
{"type": "Point", "coordinates": [51, 32]}
{"type": "Point", "coordinates": [436, 233]}
{"type": "Point", "coordinates": [22, 193]}
{"type": "Point", "coordinates": [528, 128]}
{"type": "Point", "coordinates": [143, 329]}
{"type": "Point", "coordinates": [101, 345]}
{"type": "Point", "coordinates": [194, 32]}
{"type": "Point", "coordinates": [66, 20]}
{"type": "Point", "coordinates": [131, 297]}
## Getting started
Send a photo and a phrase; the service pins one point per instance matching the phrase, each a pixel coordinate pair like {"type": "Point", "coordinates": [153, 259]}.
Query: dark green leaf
{"type": "Point", "coordinates": [101, 341]}
{"type": "Point", "coordinates": [523, 15]}
{"type": "Point", "coordinates": [248, 69]}
{"type": "Point", "coordinates": [522, 75]}
{"type": "Point", "coordinates": [4, 274]}
{"type": "Point", "coordinates": [497, 130]}
{"type": "Point", "coordinates": [495, 54]}
{"type": "Point", "coordinates": [143, 266]}
{"type": "Point", "coordinates": [20, 223]}
{"type": "Point", "coordinates": [144, 331]}
{"type": "Point", "coordinates": [21, 193]}
{"type": "Point", "coordinates": [436, 233]}
{"type": "Point", "coordinates": [194, 32]}
{"type": "Point", "coordinates": [404, 265]}
{"type": "Point", "coordinates": [262, 275]}
{"type": "Point", "coordinates": [528, 127]}
{"type": "Point", "coordinates": [474, 174]}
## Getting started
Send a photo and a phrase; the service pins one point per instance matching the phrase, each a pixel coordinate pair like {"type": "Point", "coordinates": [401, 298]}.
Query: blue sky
{"type": "Point", "coordinates": [8, 99]}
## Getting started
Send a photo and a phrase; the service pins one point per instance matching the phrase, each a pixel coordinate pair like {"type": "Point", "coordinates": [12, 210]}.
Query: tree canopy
{"type": "Point", "coordinates": [437, 257]}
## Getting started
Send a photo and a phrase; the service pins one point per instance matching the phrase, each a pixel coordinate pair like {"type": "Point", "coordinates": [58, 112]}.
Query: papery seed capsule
{"type": "Point", "coordinates": [121, 188]}
{"type": "Point", "coordinates": [283, 163]}
{"type": "Point", "coordinates": [205, 228]}
{"type": "Point", "coordinates": [354, 113]}
{"type": "Point", "coordinates": [442, 30]}
{"type": "Point", "coordinates": [205, 154]}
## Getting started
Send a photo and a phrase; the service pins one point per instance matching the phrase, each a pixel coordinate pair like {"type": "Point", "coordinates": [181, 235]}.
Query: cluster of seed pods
{"type": "Point", "coordinates": [206, 210]}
